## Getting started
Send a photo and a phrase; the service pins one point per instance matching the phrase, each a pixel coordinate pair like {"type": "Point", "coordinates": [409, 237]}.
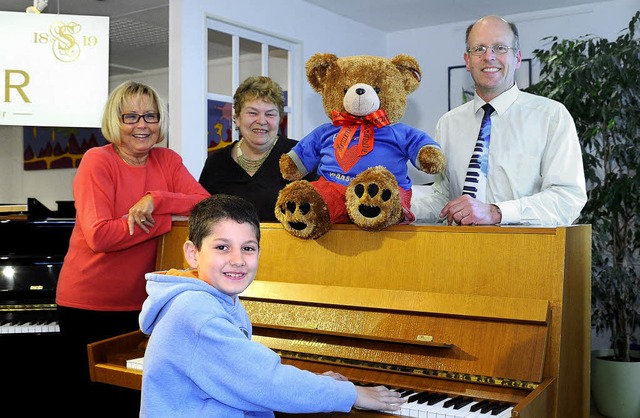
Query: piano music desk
{"type": "Point", "coordinates": [500, 272]}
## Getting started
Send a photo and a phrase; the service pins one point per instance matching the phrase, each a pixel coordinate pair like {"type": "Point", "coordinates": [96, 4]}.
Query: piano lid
{"type": "Point", "coordinates": [34, 209]}
{"type": "Point", "coordinates": [39, 233]}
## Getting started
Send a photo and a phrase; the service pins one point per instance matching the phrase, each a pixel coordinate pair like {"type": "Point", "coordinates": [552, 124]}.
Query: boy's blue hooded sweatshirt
{"type": "Point", "coordinates": [200, 360]}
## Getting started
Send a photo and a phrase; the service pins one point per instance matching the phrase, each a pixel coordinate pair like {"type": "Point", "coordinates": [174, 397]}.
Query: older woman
{"type": "Point", "coordinates": [249, 168]}
{"type": "Point", "coordinates": [125, 195]}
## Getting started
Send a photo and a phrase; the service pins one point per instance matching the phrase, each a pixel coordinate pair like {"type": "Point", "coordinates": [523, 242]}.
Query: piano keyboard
{"type": "Point", "coordinates": [28, 319]}
{"type": "Point", "coordinates": [29, 328]}
{"type": "Point", "coordinates": [436, 405]}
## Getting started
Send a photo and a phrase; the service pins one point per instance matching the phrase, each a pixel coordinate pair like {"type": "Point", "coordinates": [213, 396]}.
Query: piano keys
{"type": "Point", "coordinates": [28, 319]}
{"type": "Point", "coordinates": [410, 308]}
{"type": "Point", "coordinates": [436, 405]}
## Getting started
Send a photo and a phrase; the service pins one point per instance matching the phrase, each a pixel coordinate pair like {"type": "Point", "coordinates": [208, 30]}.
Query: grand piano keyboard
{"type": "Point", "coordinates": [426, 404]}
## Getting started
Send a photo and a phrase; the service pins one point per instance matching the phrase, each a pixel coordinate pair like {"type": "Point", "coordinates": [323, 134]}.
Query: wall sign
{"type": "Point", "coordinates": [54, 69]}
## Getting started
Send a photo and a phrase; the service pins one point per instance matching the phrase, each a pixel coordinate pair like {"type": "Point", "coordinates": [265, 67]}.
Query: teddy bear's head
{"type": "Point", "coordinates": [362, 84]}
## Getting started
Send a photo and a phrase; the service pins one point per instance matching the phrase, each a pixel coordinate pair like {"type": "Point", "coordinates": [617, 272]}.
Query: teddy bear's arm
{"type": "Point", "coordinates": [291, 167]}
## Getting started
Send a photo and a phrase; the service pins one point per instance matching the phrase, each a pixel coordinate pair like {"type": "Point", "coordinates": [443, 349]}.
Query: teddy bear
{"type": "Point", "coordinates": [361, 156]}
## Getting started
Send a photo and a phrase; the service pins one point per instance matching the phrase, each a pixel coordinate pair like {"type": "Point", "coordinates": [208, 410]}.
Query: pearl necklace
{"type": "Point", "coordinates": [248, 165]}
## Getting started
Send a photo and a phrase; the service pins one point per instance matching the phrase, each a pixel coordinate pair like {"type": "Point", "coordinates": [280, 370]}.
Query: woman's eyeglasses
{"type": "Point", "coordinates": [132, 118]}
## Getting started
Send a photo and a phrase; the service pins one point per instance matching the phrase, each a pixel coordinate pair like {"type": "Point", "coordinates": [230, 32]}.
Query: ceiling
{"type": "Point", "coordinates": [139, 29]}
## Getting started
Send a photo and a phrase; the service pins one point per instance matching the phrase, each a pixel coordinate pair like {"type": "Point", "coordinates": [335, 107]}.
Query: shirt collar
{"type": "Point", "coordinates": [500, 103]}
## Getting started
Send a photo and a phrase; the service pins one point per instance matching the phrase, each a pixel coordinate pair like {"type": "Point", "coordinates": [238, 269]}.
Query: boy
{"type": "Point", "coordinates": [200, 360]}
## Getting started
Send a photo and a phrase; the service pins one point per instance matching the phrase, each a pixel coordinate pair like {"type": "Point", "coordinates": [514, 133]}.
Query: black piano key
{"type": "Point", "coordinates": [437, 397]}
{"type": "Point", "coordinates": [420, 397]}
{"type": "Point", "coordinates": [489, 408]}
{"type": "Point", "coordinates": [407, 392]}
{"type": "Point", "coordinates": [480, 405]}
{"type": "Point", "coordinates": [451, 402]}
{"type": "Point", "coordinates": [415, 397]}
{"type": "Point", "coordinates": [499, 408]}
{"type": "Point", "coordinates": [404, 392]}
{"type": "Point", "coordinates": [426, 396]}
{"type": "Point", "coordinates": [458, 402]}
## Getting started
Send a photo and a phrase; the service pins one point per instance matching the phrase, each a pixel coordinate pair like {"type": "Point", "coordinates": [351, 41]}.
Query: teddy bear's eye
{"type": "Point", "coordinates": [377, 90]}
{"type": "Point", "coordinates": [345, 91]}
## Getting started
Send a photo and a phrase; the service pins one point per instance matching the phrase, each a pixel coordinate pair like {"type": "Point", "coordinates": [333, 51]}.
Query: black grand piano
{"type": "Point", "coordinates": [33, 243]}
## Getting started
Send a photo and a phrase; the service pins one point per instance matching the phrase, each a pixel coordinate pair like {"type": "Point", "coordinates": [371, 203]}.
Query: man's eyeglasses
{"type": "Point", "coordinates": [480, 50]}
{"type": "Point", "coordinates": [132, 118]}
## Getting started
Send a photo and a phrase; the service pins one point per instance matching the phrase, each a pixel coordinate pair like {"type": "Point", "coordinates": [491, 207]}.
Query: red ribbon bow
{"type": "Point", "coordinates": [350, 125]}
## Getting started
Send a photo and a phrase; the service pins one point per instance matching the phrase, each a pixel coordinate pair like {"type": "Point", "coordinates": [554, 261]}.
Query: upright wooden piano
{"type": "Point", "coordinates": [490, 313]}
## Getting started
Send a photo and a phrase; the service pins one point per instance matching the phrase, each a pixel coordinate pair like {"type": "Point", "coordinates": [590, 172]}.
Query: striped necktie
{"type": "Point", "coordinates": [475, 183]}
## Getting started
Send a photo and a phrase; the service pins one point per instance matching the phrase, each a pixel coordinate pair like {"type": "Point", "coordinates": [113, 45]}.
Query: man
{"type": "Point", "coordinates": [534, 174]}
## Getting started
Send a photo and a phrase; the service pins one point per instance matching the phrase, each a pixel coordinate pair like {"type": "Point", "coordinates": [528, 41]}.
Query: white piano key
{"type": "Point", "coordinates": [504, 414]}
{"type": "Point", "coordinates": [415, 409]}
{"type": "Point", "coordinates": [407, 409]}
{"type": "Point", "coordinates": [443, 412]}
{"type": "Point", "coordinates": [424, 410]}
{"type": "Point", "coordinates": [449, 411]}
{"type": "Point", "coordinates": [437, 410]}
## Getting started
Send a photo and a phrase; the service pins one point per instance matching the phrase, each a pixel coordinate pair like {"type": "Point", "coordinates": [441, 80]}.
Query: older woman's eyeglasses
{"type": "Point", "coordinates": [132, 118]}
{"type": "Point", "coordinates": [480, 50]}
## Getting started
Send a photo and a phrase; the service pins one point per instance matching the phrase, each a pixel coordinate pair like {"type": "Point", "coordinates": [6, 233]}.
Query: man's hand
{"type": "Point", "coordinates": [466, 210]}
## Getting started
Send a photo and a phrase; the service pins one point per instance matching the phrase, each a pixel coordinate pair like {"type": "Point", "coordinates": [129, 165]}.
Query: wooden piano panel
{"type": "Point", "coordinates": [413, 329]}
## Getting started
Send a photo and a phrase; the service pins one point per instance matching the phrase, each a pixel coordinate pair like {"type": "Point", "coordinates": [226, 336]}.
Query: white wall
{"type": "Point", "coordinates": [436, 48]}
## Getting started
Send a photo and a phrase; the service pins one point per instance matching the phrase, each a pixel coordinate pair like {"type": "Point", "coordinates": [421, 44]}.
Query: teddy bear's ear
{"type": "Point", "coordinates": [317, 69]}
{"type": "Point", "coordinates": [410, 70]}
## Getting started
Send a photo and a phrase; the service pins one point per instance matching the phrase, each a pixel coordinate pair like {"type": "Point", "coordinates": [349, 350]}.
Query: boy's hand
{"type": "Point", "coordinates": [378, 398]}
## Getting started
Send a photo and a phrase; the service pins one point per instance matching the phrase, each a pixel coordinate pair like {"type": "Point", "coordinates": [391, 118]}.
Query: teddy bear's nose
{"type": "Point", "coordinates": [360, 91]}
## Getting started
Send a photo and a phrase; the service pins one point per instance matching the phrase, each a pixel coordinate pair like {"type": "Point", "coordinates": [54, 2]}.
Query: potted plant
{"type": "Point", "coordinates": [598, 80]}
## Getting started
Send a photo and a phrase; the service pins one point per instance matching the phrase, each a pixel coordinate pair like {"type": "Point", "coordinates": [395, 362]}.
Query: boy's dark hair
{"type": "Point", "coordinates": [216, 208]}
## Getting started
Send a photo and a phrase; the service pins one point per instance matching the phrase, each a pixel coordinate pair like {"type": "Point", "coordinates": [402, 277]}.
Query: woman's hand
{"type": "Point", "coordinates": [140, 214]}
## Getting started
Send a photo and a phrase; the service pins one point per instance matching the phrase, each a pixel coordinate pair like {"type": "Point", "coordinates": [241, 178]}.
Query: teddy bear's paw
{"type": "Point", "coordinates": [373, 199]}
{"type": "Point", "coordinates": [302, 211]}
{"type": "Point", "coordinates": [432, 160]}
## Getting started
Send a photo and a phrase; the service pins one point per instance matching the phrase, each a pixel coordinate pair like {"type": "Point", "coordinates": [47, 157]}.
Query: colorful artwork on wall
{"type": "Point", "coordinates": [219, 125]}
{"type": "Point", "coordinates": [48, 148]}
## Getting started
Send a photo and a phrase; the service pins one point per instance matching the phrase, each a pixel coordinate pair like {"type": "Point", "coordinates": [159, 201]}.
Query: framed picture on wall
{"type": "Point", "coordinates": [461, 86]}
{"type": "Point", "coordinates": [47, 148]}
